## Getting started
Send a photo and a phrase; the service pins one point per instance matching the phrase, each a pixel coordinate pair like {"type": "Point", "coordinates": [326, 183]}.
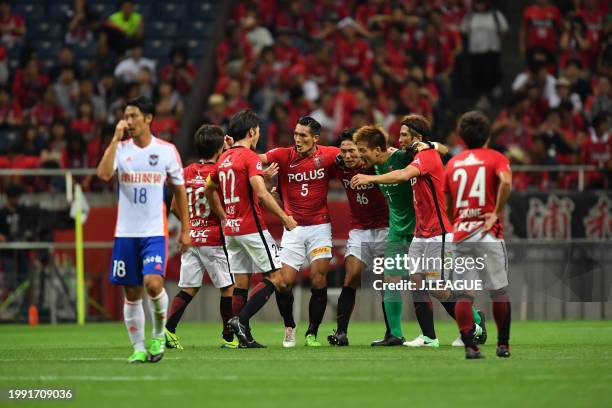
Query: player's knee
{"type": "Point", "coordinates": [133, 293]}
{"type": "Point", "coordinates": [319, 280]}
{"type": "Point", "coordinates": [191, 291]}
{"type": "Point", "coordinates": [227, 291]}
{"type": "Point", "coordinates": [352, 280]}
{"type": "Point", "coordinates": [498, 293]}
{"type": "Point", "coordinates": [154, 284]}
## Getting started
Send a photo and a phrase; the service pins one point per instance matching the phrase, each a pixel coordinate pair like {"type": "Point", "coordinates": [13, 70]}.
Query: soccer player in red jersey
{"type": "Point", "coordinates": [368, 235]}
{"type": "Point", "coordinates": [208, 251]}
{"type": "Point", "coordinates": [304, 172]}
{"type": "Point", "coordinates": [433, 233]}
{"type": "Point", "coordinates": [250, 247]}
{"type": "Point", "coordinates": [478, 184]}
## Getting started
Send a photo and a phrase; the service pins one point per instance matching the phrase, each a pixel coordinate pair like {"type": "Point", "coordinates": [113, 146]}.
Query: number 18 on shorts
{"type": "Point", "coordinates": [135, 257]}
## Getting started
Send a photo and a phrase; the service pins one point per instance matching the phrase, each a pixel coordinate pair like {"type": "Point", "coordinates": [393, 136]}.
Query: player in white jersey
{"type": "Point", "coordinates": [142, 163]}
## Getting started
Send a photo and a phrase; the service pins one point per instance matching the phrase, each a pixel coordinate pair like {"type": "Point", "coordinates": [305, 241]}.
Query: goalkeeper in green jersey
{"type": "Point", "coordinates": [372, 144]}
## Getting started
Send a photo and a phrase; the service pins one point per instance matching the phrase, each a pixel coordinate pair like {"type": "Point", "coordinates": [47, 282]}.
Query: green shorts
{"type": "Point", "coordinates": [397, 245]}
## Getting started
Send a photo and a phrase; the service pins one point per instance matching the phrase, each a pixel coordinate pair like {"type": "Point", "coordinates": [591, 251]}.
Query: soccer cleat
{"type": "Point", "coordinates": [138, 357]}
{"type": "Point", "coordinates": [458, 342]}
{"type": "Point", "coordinates": [389, 342]}
{"type": "Point", "coordinates": [229, 344]}
{"type": "Point", "coordinates": [245, 339]}
{"type": "Point", "coordinates": [481, 338]}
{"type": "Point", "coordinates": [289, 339]}
{"type": "Point", "coordinates": [423, 341]}
{"type": "Point", "coordinates": [478, 332]}
{"type": "Point", "coordinates": [503, 351]}
{"type": "Point", "coordinates": [172, 340]}
{"type": "Point", "coordinates": [311, 341]}
{"type": "Point", "coordinates": [375, 342]}
{"type": "Point", "coordinates": [473, 354]}
{"type": "Point", "coordinates": [156, 349]}
{"type": "Point", "coordinates": [239, 330]}
{"type": "Point", "coordinates": [338, 339]}
{"type": "Point", "coordinates": [252, 344]}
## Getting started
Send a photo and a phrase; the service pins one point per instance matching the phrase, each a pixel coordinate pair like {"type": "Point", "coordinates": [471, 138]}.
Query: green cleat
{"type": "Point", "coordinates": [138, 357]}
{"type": "Point", "coordinates": [229, 344]}
{"type": "Point", "coordinates": [156, 349]}
{"type": "Point", "coordinates": [172, 340]}
{"type": "Point", "coordinates": [311, 341]}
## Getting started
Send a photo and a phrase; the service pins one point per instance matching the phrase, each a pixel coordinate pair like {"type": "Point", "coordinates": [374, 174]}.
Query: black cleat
{"type": "Point", "coordinates": [251, 344]}
{"type": "Point", "coordinates": [338, 339]}
{"type": "Point", "coordinates": [482, 339]}
{"type": "Point", "coordinates": [503, 351]}
{"type": "Point", "coordinates": [472, 354]}
{"type": "Point", "coordinates": [389, 341]}
{"type": "Point", "coordinates": [240, 330]}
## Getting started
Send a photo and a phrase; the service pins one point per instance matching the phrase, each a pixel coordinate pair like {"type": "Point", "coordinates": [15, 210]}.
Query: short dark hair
{"type": "Point", "coordinates": [208, 140]}
{"type": "Point", "coordinates": [313, 125]}
{"type": "Point", "coordinates": [373, 136]}
{"type": "Point", "coordinates": [600, 118]}
{"type": "Point", "coordinates": [347, 134]}
{"type": "Point", "coordinates": [143, 103]}
{"type": "Point", "coordinates": [418, 124]}
{"type": "Point", "coordinates": [241, 123]}
{"type": "Point", "coordinates": [474, 129]}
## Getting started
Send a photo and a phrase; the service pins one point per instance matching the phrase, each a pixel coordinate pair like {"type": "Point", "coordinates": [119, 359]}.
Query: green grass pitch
{"type": "Point", "coordinates": [554, 364]}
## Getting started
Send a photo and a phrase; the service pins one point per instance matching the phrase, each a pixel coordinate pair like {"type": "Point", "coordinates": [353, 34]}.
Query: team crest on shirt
{"type": "Point", "coordinates": [153, 159]}
{"type": "Point", "coordinates": [317, 162]}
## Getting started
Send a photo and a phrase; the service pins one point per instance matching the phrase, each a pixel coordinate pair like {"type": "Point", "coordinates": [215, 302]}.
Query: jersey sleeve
{"type": "Point", "coordinates": [424, 161]}
{"type": "Point", "coordinates": [213, 176]}
{"type": "Point", "coordinates": [502, 164]}
{"type": "Point", "coordinates": [175, 168]}
{"type": "Point", "coordinates": [274, 155]}
{"type": "Point", "coordinates": [254, 166]}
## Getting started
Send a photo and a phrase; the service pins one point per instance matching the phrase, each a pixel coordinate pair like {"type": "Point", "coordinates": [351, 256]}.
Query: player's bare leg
{"type": "Point", "coordinates": [259, 296]}
{"type": "Point", "coordinates": [318, 299]}
{"type": "Point", "coordinates": [177, 308]}
{"type": "Point", "coordinates": [346, 301]}
{"type": "Point", "coordinates": [158, 306]}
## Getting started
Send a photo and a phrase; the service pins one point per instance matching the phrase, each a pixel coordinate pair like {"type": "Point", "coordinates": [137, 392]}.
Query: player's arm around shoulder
{"type": "Point", "coordinates": [106, 167]}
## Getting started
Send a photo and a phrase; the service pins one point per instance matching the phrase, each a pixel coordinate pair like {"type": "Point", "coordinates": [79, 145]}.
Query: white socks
{"type": "Point", "coordinates": [158, 306]}
{"type": "Point", "coordinates": [134, 317]}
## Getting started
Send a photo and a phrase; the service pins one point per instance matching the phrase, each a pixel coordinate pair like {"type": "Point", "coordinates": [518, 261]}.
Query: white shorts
{"type": "Point", "coordinates": [252, 253]}
{"type": "Point", "coordinates": [425, 255]}
{"type": "Point", "coordinates": [490, 264]}
{"type": "Point", "coordinates": [310, 242]}
{"type": "Point", "coordinates": [366, 245]}
{"type": "Point", "coordinates": [210, 258]}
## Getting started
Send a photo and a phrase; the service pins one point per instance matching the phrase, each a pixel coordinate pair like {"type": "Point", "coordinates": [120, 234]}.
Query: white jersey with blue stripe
{"type": "Point", "coordinates": [142, 174]}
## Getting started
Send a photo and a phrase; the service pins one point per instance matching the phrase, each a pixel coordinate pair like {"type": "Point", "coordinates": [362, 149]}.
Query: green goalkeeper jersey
{"type": "Point", "coordinates": [399, 197]}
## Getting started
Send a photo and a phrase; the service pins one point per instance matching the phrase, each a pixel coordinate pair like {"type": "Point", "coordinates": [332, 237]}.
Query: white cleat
{"type": "Point", "coordinates": [289, 339]}
{"type": "Point", "coordinates": [422, 341]}
{"type": "Point", "coordinates": [458, 342]}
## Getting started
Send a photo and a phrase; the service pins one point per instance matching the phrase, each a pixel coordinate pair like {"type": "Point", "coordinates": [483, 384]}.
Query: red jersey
{"type": "Point", "coordinates": [367, 203]}
{"type": "Point", "coordinates": [597, 151]}
{"type": "Point", "coordinates": [204, 226]}
{"type": "Point", "coordinates": [232, 173]}
{"type": "Point", "coordinates": [472, 181]}
{"type": "Point", "coordinates": [304, 182]}
{"type": "Point", "coordinates": [541, 26]}
{"type": "Point", "coordinates": [427, 193]}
